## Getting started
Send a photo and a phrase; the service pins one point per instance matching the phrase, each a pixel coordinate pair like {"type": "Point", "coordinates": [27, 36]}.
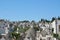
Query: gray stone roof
{"type": "Point", "coordinates": [43, 33]}
{"type": "Point", "coordinates": [30, 32]}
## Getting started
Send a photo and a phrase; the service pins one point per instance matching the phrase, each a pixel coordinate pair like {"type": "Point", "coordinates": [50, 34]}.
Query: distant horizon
{"type": "Point", "coordinates": [16, 10]}
{"type": "Point", "coordinates": [30, 20]}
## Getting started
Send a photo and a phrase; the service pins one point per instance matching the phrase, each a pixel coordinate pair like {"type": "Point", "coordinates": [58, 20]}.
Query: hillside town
{"type": "Point", "coordinates": [30, 30]}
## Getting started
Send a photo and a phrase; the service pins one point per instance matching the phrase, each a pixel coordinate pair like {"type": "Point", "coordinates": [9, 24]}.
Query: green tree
{"type": "Point", "coordinates": [53, 18]}
{"type": "Point", "coordinates": [16, 33]}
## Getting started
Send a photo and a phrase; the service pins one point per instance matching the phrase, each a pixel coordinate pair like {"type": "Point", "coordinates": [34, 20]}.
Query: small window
{"type": "Point", "coordinates": [28, 37]}
{"type": "Point", "coordinates": [40, 39]}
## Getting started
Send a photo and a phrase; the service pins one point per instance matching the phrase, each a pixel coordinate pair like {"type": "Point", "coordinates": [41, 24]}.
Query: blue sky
{"type": "Point", "coordinates": [29, 9]}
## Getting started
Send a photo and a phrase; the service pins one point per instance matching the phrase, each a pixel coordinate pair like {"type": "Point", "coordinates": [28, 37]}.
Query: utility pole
{"type": "Point", "coordinates": [56, 26]}
{"type": "Point", "coordinates": [49, 27]}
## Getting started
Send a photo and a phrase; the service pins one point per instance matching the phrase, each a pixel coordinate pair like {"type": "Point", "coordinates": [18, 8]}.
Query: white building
{"type": "Point", "coordinates": [56, 26]}
{"type": "Point", "coordinates": [45, 34]}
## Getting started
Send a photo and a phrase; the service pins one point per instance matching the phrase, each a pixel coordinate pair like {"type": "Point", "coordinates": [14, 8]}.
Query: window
{"type": "Point", "coordinates": [40, 39]}
{"type": "Point", "coordinates": [0, 36]}
{"type": "Point", "coordinates": [59, 27]}
{"type": "Point", "coordinates": [28, 37]}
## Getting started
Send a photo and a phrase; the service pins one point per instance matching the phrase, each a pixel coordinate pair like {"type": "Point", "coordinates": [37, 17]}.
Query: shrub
{"type": "Point", "coordinates": [36, 28]}
{"type": "Point", "coordinates": [55, 35]}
